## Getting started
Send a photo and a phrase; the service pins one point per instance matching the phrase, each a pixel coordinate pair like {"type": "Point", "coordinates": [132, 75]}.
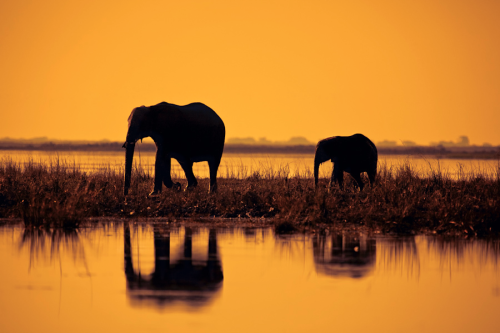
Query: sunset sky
{"type": "Point", "coordinates": [398, 70]}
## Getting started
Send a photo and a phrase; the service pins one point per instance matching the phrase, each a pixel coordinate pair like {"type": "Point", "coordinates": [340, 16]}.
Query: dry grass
{"type": "Point", "coordinates": [58, 194]}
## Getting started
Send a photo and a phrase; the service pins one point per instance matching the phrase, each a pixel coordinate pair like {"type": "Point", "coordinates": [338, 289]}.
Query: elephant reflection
{"type": "Point", "coordinates": [185, 280]}
{"type": "Point", "coordinates": [344, 255]}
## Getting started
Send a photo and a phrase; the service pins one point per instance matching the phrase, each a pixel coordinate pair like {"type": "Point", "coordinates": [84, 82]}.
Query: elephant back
{"type": "Point", "coordinates": [194, 129]}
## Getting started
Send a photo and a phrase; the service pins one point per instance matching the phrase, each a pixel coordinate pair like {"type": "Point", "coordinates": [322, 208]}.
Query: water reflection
{"type": "Point", "coordinates": [344, 255]}
{"type": "Point", "coordinates": [151, 277]}
{"type": "Point", "coordinates": [193, 282]}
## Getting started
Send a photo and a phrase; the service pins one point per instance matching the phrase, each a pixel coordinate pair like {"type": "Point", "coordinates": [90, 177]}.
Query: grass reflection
{"type": "Point", "coordinates": [399, 254]}
{"type": "Point", "coordinates": [454, 251]}
{"type": "Point", "coordinates": [50, 243]}
{"type": "Point", "coordinates": [406, 255]}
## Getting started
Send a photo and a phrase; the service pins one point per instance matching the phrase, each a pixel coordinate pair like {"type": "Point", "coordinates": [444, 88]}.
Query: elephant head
{"type": "Point", "coordinates": [139, 127]}
{"type": "Point", "coordinates": [320, 157]}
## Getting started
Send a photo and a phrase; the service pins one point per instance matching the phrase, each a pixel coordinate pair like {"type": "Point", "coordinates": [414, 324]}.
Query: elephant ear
{"type": "Point", "coordinates": [137, 115]}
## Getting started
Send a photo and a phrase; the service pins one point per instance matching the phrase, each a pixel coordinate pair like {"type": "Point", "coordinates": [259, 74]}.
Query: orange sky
{"type": "Point", "coordinates": [399, 70]}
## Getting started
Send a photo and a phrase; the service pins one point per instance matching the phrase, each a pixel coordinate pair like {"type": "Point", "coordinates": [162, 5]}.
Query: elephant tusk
{"type": "Point", "coordinates": [125, 145]}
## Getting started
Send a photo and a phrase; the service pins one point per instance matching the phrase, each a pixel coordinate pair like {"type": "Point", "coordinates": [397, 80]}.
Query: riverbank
{"type": "Point", "coordinates": [401, 202]}
{"type": "Point", "coordinates": [463, 152]}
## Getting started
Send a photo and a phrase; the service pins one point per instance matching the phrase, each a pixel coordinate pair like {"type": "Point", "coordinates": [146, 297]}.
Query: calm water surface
{"type": "Point", "coordinates": [126, 277]}
{"type": "Point", "coordinates": [243, 165]}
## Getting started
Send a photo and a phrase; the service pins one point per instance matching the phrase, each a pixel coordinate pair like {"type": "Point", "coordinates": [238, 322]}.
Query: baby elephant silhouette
{"type": "Point", "coordinates": [353, 154]}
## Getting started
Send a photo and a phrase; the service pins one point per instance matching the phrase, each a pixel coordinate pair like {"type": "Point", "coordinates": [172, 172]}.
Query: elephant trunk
{"type": "Point", "coordinates": [316, 170]}
{"type": "Point", "coordinates": [319, 158]}
{"type": "Point", "coordinates": [129, 156]}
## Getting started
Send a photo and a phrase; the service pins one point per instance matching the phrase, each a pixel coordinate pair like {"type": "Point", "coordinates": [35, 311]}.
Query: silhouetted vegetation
{"type": "Point", "coordinates": [59, 195]}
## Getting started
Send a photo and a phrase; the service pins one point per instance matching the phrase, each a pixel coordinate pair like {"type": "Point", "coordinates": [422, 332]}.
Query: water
{"type": "Point", "coordinates": [244, 165]}
{"type": "Point", "coordinates": [126, 277]}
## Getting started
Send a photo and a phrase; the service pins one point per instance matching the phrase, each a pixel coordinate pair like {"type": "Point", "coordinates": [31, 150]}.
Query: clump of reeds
{"type": "Point", "coordinates": [56, 194]}
{"type": "Point", "coordinates": [401, 201]}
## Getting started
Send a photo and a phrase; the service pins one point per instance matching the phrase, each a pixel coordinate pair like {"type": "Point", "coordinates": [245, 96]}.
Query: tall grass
{"type": "Point", "coordinates": [58, 194]}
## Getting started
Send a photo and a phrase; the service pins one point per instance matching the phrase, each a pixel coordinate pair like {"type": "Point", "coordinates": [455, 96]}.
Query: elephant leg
{"type": "Point", "coordinates": [167, 178]}
{"type": "Point", "coordinates": [188, 170]}
{"type": "Point", "coordinates": [337, 175]}
{"type": "Point", "coordinates": [357, 178]}
{"type": "Point", "coordinates": [213, 166]}
{"type": "Point", "coordinates": [159, 171]}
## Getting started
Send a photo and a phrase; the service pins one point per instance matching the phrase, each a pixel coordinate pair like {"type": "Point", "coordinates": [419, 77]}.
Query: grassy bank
{"type": "Point", "coordinates": [59, 194]}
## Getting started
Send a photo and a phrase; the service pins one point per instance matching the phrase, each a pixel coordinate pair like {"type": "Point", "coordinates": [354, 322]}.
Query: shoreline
{"type": "Point", "coordinates": [400, 202]}
{"type": "Point", "coordinates": [279, 227]}
{"type": "Point", "coordinates": [466, 152]}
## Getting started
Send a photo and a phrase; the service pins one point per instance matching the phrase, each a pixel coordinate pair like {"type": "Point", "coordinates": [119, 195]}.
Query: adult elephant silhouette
{"type": "Point", "coordinates": [189, 133]}
{"type": "Point", "coordinates": [353, 154]}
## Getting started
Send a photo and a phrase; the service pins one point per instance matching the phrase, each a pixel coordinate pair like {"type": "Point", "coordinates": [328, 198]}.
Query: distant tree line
{"type": "Point", "coordinates": [454, 151]}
